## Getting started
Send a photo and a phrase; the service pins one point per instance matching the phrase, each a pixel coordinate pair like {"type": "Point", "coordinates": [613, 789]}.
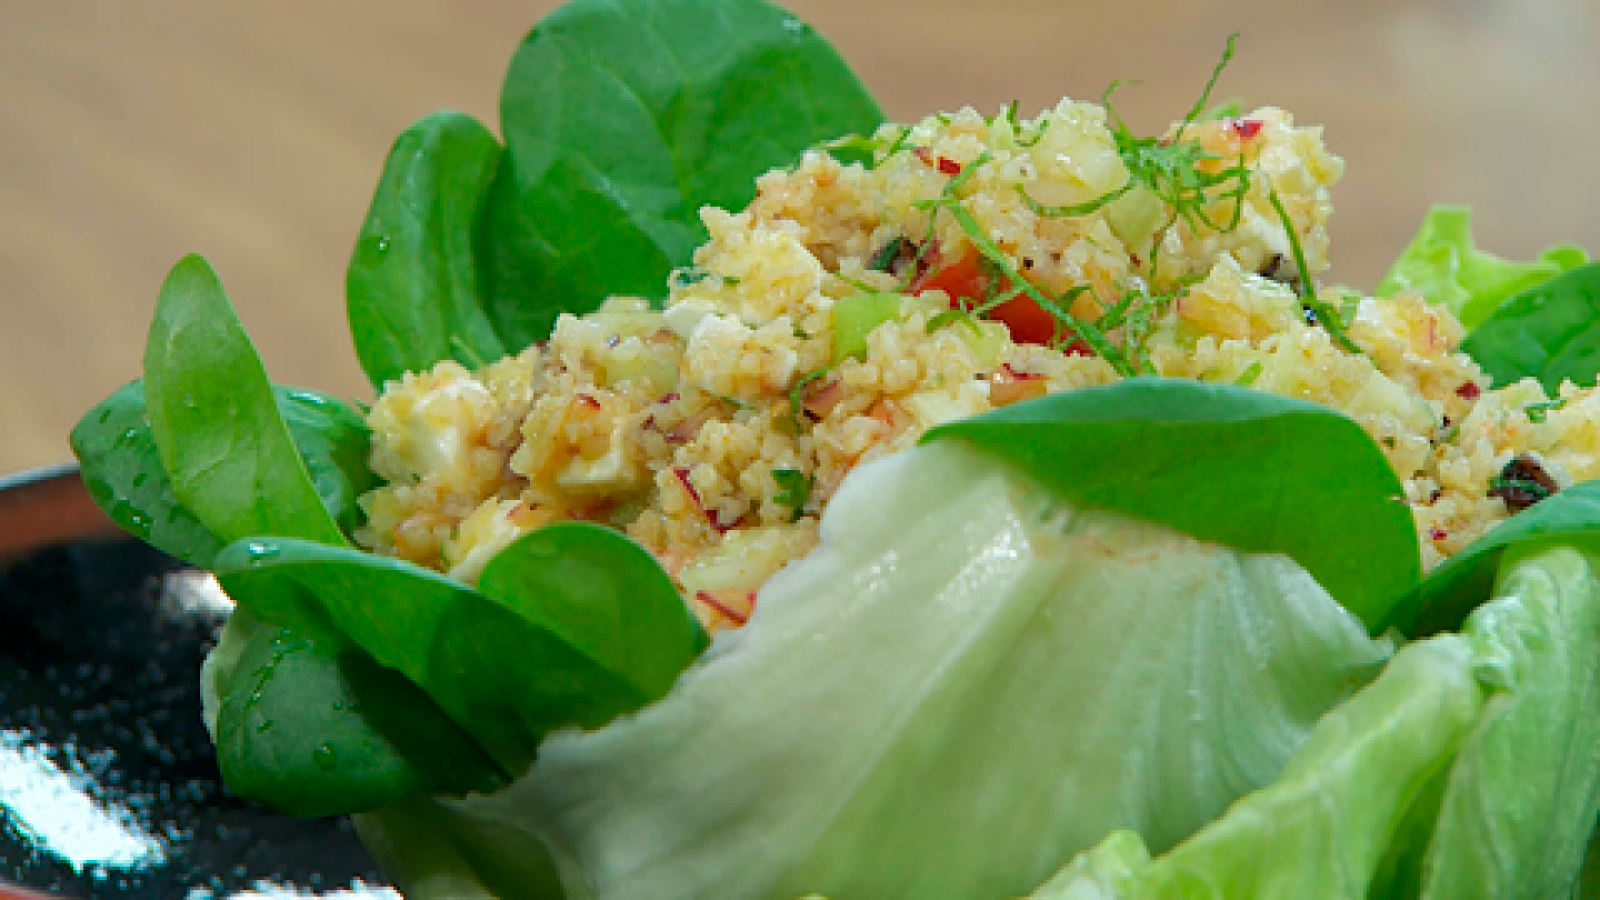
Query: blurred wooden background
{"type": "Point", "coordinates": [134, 132]}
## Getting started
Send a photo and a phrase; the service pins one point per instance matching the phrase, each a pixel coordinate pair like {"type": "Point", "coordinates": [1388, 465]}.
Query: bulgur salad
{"type": "Point", "coordinates": [984, 506]}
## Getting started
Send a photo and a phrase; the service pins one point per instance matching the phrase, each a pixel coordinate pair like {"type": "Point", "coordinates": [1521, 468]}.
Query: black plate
{"type": "Point", "coordinates": [108, 787]}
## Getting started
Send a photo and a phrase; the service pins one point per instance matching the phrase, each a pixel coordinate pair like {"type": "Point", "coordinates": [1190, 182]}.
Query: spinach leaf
{"type": "Point", "coordinates": [1551, 332]}
{"type": "Point", "coordinates": [411, 291]}
{"type": "Point", "coordinates": [335, 444]}
{"type": "Point", "coordinates": [597, 631]}
{"type": "Point", "coordinates": [1259, 472]}
{"type": "Point", "coordinates": [603, 593]}
{"type": "Point", "coordinates": [123, 472]}
{"type": "Point", "coordinates": [621, 119]}
{"type": "Point", "coordinates": [215, 420]}
{"type": "Point", "coordinates": [1452, 590]}
{"type": "Point", "coordinates": [315, 727]}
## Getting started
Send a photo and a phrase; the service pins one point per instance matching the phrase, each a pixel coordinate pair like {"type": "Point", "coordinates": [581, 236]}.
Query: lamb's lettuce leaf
{"type": "Point", "coordinates": [221, 438]}
{"type": "Point", "coordinates": [1444, 263]}
{"type": "Point", "coordinates": [313, 726]}
{"type": "Point", "coordinates": [412, 290]}
{"type": "Point", "coordinates": [1107, 673]}
{"type": "Point", "coordinates": [1548, 332]}
{"type": "Point", "coordinates": [622, 118]}
{"type": "Point", "coordinates": [575, 625]}
{"type": "Point", "coordinates": [122, 467]}
{"type": "Point", "coordinates": [1227, 464]}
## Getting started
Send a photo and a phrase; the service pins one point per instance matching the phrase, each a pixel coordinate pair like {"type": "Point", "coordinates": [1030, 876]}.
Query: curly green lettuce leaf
{"type": "Point", "coordinates": [1107, 673]}
{"type": "Point", "coordinates": [1445, 265]}
{"type": "Point", "coordinates": [622, 118]}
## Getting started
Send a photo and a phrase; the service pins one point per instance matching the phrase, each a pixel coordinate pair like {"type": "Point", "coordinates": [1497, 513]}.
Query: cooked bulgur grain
{"type": "Point", "coordinates": [674, 425]}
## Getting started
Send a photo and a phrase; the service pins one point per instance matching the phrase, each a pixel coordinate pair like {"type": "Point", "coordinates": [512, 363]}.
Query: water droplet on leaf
{"type": "Point", "coordinates": [325, 757]}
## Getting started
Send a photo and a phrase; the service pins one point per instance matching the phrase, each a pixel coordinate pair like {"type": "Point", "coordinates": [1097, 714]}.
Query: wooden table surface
{"type": "Point", "coordinates": [133, 133]}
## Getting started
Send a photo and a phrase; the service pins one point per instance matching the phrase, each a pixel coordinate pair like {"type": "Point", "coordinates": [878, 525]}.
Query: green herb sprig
{"type": "Point", "coordinates": [794, 490]}
{"type": "Point", "coordinates": [1332, 319]}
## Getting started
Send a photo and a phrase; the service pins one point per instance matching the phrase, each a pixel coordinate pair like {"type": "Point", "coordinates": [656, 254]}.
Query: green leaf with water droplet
{"type": "Point", "coordinates": [411, 291]}
{"type": "Point", "coordinates": [122, 470]}
{"type": "Point", "coordinates": [575, 625]}
{"type": "Point", "coordinates": [315, 727]}
{"type": "Point", "coordinates": [124, 474]}
{"type": "Point", "coordinates": [221, 438]}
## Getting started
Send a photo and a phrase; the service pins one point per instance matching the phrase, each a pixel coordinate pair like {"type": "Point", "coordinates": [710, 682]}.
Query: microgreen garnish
{"type": "Point", "coordinates": [1068, 328]}
{"type": "Point", "coordinates": [951, 316]}
{"type": "Point", "coordinates": [1173, 170]}
{"type": "Point", "coordinates": [899, 142]}
{"type": "Point", "coordinates": [1537, 412]}
{"type": "Point", "coordinates": [797, 395]}
{"type": "Point", "coordinates": [1135, 314]}
{"type": "Point", "coordinates": [794, 490]}
{"type": "Point", "coordinates": [884, 258]}
{"type": "Point", "coordinates": [1329, 317]}
{"type": "Point", "coordinates": [855, 148]}
{"type": "Point", "coordinates": [692, 275]}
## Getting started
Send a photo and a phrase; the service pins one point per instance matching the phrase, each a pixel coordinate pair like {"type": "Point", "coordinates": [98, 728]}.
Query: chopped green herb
{"type": "Point", "coordinates": [1328, 317]}
{"type": "Point", "coordinates": [951, 316]}
{"type": "Point", "coordinates": [1522, 483]}
{"type": "Point", "coordinates": [794, 490]}
{"type": "Point", "coordinates": [898, 144]}
{"type": "Point", "coordinates": [1537, 412]}
{"type": "Point", "coordinates": [692, 275]}
{"type": "Point", "coordinates": [884, 258]}
{"type": "Point", "coordinates": [1249, 375]}
{"type": "Point", "coordinates": [797, 396]}
{"type": "Point", "coordinates": [855, 149]}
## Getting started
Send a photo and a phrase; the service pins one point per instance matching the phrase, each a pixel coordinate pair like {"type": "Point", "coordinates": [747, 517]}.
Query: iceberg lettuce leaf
{"type": "Point", "coordinates": [1107, 673]}
{"type": "Point", "coordinates": [1322, 829]}
{"type": "Point", "coordinates": [1472, 756]}
{"type": "Point", "coordinates": [1524, 792]}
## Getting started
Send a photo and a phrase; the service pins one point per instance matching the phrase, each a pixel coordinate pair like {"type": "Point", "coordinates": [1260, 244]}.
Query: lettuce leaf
{"type": "Point", "coordinates": [1447, 267]}
{"type": "Point", "coordinates": [1478, 747]}
{"type": "Point", "coordinates": [1524, 792]}
{"type": "Point", "coordinates": [1035, 677]}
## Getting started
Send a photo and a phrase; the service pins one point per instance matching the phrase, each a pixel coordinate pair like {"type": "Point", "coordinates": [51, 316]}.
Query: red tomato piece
{"type": "Point", "coordinates": [966, 279]}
